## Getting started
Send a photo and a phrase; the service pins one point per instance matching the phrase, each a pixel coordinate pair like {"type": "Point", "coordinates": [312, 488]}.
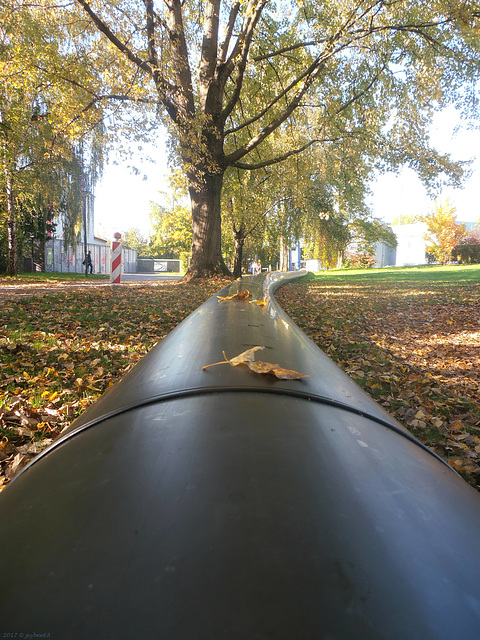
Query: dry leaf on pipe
{"type": "Point", "coordinates": [260, 303]}
{"type": "Point", "coordinates": [242, 358]}
{"type": "Point", "coordinates": [276, 370]}
{"type": "Point", "coordinates": [248, 358]}
{"type": "Point", "coordinates": [241, 295]}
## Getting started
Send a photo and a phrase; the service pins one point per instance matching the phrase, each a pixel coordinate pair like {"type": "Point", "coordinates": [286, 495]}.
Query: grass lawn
{"type": "Point", "coordinates": [410, 337]}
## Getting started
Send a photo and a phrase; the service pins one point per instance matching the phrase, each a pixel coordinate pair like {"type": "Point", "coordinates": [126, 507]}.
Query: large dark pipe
{"type": "Point", "coordinates": [228, 505]}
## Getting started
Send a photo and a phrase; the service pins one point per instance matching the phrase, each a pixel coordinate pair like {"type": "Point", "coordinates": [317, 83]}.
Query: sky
{"type": "Point", "coordinates": [404, 193]}
{"type": "Point", "coordinates": [122, 198]}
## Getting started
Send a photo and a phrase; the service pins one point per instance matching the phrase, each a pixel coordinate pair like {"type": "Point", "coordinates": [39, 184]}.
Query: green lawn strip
{"type": "Point", "coordinates": [39, 277]}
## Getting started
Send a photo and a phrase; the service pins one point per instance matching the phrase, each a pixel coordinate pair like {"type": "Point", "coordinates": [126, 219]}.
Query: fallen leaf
{"type": "Point", "coordinates": [260, 303]}
{"type": "Point", "coordinates": [244, 294]}
{"type": "Point", "coordinates": [455, 426]}
{"type": "Point", "coordinates": [242, 358]}
{"type": "Point", "coordinates": [248, 358]}
{"type": "Point", "coordinates": [276, 370]}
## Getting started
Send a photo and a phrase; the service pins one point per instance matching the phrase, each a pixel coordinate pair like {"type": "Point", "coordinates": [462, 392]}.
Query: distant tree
{"type": "Point", "coordinates": [468, 249]}
{"type": "Point", "coordinates": [245, 204]}
{"type": "Point", "coordinates": [133, 239]}
{"type": "Point", "coordinates": [172, 231]}
{"type": "Point", "coordinates": [443, 233]}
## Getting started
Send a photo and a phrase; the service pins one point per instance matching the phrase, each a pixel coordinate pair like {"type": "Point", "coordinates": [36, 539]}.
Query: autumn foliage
{"type": "Point", "coordinates": [443, 232]}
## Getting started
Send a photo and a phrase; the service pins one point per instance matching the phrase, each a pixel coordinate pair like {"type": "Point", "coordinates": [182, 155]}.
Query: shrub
{"type": "Point", "coordinates": [360, 261]}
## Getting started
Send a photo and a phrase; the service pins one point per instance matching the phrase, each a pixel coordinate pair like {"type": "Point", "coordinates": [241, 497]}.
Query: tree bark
{"type": "Point", "coordinates": [283, 254]}
{"type": "Point", "coordinates": [205, 196]}
{"type": "Point", "coordinates": [239, 237]}
{"type": "Point", "coordinates": [12, 264]}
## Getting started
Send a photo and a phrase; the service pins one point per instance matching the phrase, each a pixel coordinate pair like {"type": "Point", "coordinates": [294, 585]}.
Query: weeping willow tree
{"type": "Point", "coordinates": [51, 136]}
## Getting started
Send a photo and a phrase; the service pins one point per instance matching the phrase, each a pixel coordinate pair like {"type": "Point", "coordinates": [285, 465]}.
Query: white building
{"type": "Point", "coordinates": [411, 248]}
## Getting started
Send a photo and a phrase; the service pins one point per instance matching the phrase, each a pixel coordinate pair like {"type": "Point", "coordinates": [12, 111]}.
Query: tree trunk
{"type": "Point", "coordinates": [283, 254]}
{"type": "Point", "coordinates": [12, 265]}
{"type": "Point", "coordinates": [238, 256]}
{"type": "Point", "coordinates": [205, 196]}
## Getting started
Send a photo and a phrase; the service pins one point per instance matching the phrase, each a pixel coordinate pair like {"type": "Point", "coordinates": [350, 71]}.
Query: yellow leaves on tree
{"type": "Point", "coordinates": [248, 358]}
{"type": "Point", "coordinates": [443, 232]}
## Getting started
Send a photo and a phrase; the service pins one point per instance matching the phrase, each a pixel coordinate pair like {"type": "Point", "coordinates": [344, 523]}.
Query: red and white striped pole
{"type": "Point", "coordinates": [116, 259]}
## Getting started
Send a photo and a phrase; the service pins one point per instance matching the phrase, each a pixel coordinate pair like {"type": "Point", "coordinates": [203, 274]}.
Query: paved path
{"type": "Point", "coordinates": [15, 288]}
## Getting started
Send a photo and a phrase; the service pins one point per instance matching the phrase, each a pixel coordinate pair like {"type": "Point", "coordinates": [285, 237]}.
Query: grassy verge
{"type": "Point", "coordinates": [51, 277]}
{"type": "Point", "coordinates": [411, 338]}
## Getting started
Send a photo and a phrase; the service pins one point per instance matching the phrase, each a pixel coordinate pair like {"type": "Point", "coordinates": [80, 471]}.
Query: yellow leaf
{"type": "Point", "coordinates": [260, 303]}
{"type": "Point", "coordinates": [240, 295]}
{"type": "Point", "coordinates": [248, 358]}
{"type": "Point", "coordinates": [243, 358]}
{"type": "Point", "coordinates": [53, 397]}
{"type": "Point", "coordinates": [276, 370]}
{"type": "Point", "coordinates": [455, 426]}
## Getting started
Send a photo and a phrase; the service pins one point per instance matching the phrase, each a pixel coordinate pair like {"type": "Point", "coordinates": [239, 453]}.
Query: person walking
{"type": "Point", "coordinates": [88, 263]}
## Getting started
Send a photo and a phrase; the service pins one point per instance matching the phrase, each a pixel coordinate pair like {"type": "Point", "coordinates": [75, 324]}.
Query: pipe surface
{"type": "Point", "coordinates": [191, 504]}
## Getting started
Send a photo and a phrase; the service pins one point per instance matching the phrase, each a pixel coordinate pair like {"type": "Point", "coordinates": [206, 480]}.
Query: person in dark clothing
{"type": "Point", "coordinates": [88, 262]}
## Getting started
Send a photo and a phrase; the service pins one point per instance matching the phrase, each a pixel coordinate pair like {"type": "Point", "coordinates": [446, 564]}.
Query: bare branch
{"type": "Point", "coordinates": [278, 52]}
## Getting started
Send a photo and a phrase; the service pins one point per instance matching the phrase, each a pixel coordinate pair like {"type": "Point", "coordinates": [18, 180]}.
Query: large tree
{"type": "Point", "coordinates": [228, 76]}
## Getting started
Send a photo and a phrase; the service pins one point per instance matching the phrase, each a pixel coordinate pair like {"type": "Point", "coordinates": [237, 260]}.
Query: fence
{"type": "Point", "coordinates": [152, 265]}
{"type": "Point", "coordinates": [70, 260]}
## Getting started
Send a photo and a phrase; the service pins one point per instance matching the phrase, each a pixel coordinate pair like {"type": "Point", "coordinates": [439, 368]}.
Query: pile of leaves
{"type": "Point", "coordinates": [62, 347]}
{"type": "Point", "coordinates": [412, 343]}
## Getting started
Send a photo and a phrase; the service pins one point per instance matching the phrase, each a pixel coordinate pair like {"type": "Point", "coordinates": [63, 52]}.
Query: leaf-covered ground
{"type": "Point", "coordinates": [411, 338]}
{"type": "Point", "coordinates": [62, 344]}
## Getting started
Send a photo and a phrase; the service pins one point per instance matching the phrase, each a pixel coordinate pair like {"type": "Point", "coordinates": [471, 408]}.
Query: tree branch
{"type": "Point", "coordinates": [288, 154]}
{"type": "Point", "coordinates": [229, 30]}
{"type": "Point", "coordinates": [101, 26]}
{"type": "Point", "coordinates": [241, 50]}
{"type": "Point", "coordinates": [278, 52]}
{"type": "Point", "coordinates": [162, 86]}
{"type": "Point", "coordinates": [208, 58]}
